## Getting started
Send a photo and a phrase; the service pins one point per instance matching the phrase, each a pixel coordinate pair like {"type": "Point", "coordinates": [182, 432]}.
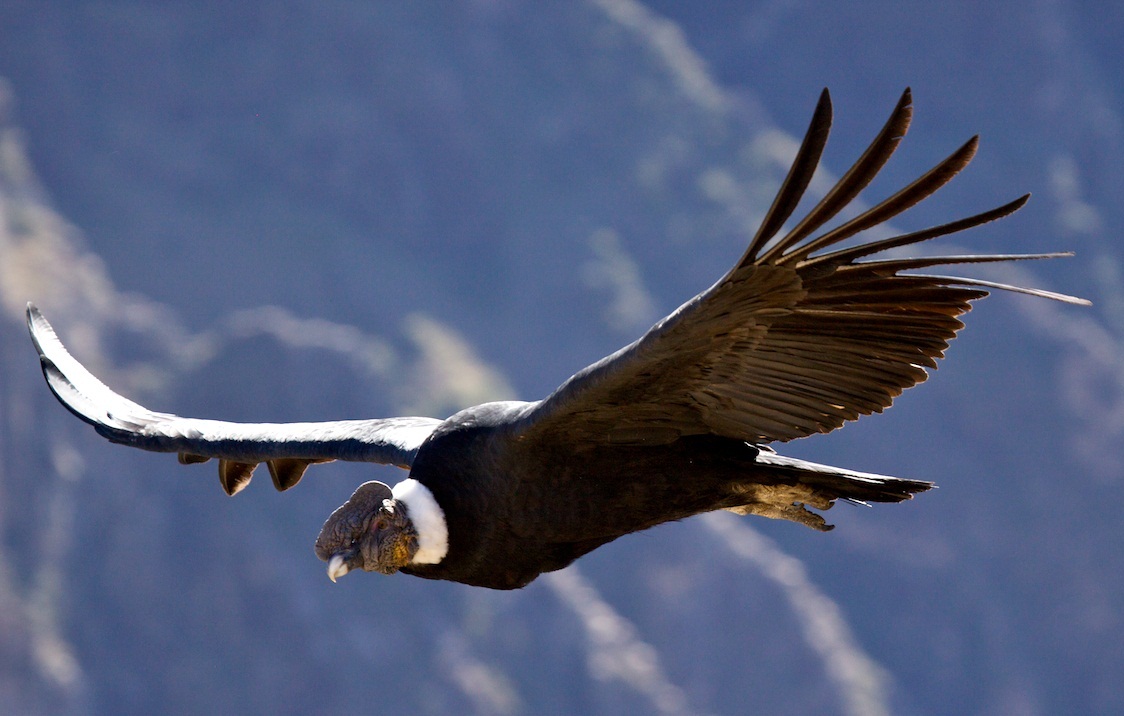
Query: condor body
{"type": "Point", "coordinates": [797, 338]}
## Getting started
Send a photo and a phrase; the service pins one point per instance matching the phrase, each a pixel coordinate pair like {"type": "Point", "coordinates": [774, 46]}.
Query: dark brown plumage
{"type": "Point", "coordinates": [798, 338]}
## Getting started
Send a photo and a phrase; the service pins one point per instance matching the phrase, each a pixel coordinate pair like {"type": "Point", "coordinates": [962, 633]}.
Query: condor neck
{"type": "Point", "coordinates": [428, 519]}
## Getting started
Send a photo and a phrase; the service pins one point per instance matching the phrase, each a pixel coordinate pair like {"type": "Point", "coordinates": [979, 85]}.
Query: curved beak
{"type": "Point", "coordinates": [337, 567]}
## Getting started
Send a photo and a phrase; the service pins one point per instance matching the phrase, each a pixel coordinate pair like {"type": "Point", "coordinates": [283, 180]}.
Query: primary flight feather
{"type": "Point", "coordinates": [797, 338]}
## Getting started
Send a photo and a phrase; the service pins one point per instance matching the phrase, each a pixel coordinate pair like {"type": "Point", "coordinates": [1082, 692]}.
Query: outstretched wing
{"type": "Point", "coordinates": [287, 448]}
{"type": "Point", "coordinates": [795, 339]}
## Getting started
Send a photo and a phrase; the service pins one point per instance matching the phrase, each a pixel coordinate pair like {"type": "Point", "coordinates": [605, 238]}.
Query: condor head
{"type": "Point", "coordinates": [371, 531]}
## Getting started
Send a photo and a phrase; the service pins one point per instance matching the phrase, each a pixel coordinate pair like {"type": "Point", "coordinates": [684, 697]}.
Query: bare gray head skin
{"type": "Point", "coordinates": [371, 531]}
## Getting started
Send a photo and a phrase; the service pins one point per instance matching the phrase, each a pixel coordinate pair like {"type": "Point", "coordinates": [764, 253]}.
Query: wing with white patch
{"type": "Point", "coordinates": [287, 448]}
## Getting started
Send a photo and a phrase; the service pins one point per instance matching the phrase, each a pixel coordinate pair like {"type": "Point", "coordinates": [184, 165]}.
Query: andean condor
{"type": "Point", "coordinates": [797, 338]}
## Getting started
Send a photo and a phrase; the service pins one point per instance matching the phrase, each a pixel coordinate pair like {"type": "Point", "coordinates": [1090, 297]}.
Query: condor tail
{"type": "Point", "coordinates": [800, 485]}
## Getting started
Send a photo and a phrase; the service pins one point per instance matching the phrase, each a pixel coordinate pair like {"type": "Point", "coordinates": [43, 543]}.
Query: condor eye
{"type": "Point", "coordinates": [380, 523]}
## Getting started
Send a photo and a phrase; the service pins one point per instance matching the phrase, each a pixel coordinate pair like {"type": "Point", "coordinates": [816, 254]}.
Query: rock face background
{"type": "Point", "coordinates": [298, 210]}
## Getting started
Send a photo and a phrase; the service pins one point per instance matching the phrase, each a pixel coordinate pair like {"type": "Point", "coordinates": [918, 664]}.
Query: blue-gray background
{"type": "Point", "coordinates": [316, 210]}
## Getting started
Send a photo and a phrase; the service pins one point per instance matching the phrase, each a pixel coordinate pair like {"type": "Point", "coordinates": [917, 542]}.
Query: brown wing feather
{"type": "Point", "coordinates": [794, 340]}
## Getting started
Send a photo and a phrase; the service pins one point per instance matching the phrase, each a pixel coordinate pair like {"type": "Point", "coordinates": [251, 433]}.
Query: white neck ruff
{"type": "Point", "coordinates": [428, 519]}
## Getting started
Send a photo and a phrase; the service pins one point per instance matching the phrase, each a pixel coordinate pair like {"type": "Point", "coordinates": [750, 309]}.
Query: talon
{"type": "Point", "coordinates": [234, 476]}
{"type": "Point", "coordinates": [287, 472]}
